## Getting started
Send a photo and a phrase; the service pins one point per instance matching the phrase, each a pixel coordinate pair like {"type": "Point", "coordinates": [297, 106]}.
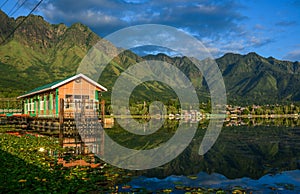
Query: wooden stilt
{"type": "Point", "coordinates": [61, 121]}
{"type": "Point", "coordinates": [102, 110]}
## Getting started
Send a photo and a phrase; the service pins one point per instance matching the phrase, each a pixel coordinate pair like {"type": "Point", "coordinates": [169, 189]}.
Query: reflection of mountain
{"type": "Point", "coordinates": [239, 152]}
{"type": "Point", "coordinates": [271, 146]}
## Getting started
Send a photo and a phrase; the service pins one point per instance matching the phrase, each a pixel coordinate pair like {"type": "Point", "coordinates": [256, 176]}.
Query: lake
{"type": "Point", "coordinates": [255, 155]}
{"type": "Point", "coordinates": [251, 155]}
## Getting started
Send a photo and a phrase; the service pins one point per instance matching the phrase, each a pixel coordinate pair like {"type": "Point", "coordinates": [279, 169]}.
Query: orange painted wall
{"type": "Point", "coordinates": [77, 87]}
{"type": "Point", "coordinates": [81, 87]}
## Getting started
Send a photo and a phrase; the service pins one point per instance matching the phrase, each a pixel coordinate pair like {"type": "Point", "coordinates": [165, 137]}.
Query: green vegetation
{"type": "Point", "coordinates": [39, 53]}
{"type": "Point", "coordinates": [251, 79]}
{"type": "Point", "coordinates": [29, 164]}
{"type": "Point", "coordinates": [265, 110]}
{"type": "Point", "coordinates": [10, 103]}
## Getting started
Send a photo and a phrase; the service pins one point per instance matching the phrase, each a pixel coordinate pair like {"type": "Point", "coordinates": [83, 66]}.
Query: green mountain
{"type": "Point", "coordinates": [38, 53]}
{"type": "Point", "coordinates": [252, 78]}
{"type": "Point", "coordinates": [248, 78]}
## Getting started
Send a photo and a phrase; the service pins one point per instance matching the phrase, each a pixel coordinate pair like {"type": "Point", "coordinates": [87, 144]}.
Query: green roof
{"type": "Point", "coordinates": [44, 87]}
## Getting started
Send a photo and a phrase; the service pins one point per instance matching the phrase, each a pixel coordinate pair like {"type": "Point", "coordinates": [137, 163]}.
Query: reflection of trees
{"type": "Point", "coordinates": [132, 140]}
{"type": "Point", "coordinates": [259, 121]}
{"type": "Point", "coordinates": [242, 151]}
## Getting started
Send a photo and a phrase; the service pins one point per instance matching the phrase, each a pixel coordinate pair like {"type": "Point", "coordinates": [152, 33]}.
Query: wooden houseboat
{"type": "Point", "coordinates": [44, 101]}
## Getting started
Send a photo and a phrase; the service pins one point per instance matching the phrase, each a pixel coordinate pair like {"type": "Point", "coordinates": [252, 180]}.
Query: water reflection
{"type": "Point", "coordinates": [246, 148]}
{"type": "Point", "coordinates": [240, 151]}
{"type": "Point", "coordinates": [259, 121]}
{"type": "Point", "coordinates": [286, 182]}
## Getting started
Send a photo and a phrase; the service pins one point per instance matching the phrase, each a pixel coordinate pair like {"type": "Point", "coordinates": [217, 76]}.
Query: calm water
{"type": "Point", "coordinates": [261, 155]}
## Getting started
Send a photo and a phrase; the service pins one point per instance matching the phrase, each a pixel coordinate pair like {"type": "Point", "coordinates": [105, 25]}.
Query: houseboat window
{"type": "Point", "coordinates": [42, 105]}
{"type": "Point", "coordinates": [88, 104]}
{"type": "Point", "coordinates": [54, 103]}
{"type": "Point", "coordinates": [70, 97]}
{"type": "Point", "coordinates": [76, 101]}
{"type": "Point", "coordinates": [78, 105]}
{"type": "Point", "coordinates": [68, 101]}
{"type": "Point", "coordinates": [81, 97]}
{"type": "Point", "coordinates": [32, 106]}
{"type": "Point", "coordinates": [96, 102]}
{"type": "Point", "coordinates": [28, 106]}
{"type": "Point", "coordinates": [36, 105]}
{"type": "Point", "coordinates": [46, 105]}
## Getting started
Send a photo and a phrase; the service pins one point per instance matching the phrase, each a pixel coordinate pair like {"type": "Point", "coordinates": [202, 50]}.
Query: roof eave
{"type": "Point", "coordinates": [77, 76]}
{"type": "Point", "coordinates": [32, 93]}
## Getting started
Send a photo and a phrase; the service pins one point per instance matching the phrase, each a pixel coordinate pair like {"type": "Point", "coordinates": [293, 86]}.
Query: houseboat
{"type": "Point", "coordinates": [76, 91]}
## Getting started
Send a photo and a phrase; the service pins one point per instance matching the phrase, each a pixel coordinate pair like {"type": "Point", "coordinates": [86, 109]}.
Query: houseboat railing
{"type": "Point", "coordinates": [10, 106]}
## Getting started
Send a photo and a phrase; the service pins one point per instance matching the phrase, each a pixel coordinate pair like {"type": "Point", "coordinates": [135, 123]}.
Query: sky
{"type": "Point", "coordinates": [269, 28]}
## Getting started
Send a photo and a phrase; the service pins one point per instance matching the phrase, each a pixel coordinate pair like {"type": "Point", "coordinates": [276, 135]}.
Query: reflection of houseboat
{"type": "Point", "coordinates": [78, 90]}
{"type": "Point", "coordinates": [177, 116]}
{"type": "Point", "coordinates": [171, 116]}
{"type": "Point", "coordinates": [191, 115]}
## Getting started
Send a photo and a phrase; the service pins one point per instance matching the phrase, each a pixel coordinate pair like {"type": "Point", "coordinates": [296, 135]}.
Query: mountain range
{"type": "Point", "coordinates": [39, 52]}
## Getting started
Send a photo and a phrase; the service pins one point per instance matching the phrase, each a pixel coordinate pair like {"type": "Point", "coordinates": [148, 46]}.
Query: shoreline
{"type": "Point", "coordinates": [265, 116]}
{"type": "Point", "coordinates": [206, 116]}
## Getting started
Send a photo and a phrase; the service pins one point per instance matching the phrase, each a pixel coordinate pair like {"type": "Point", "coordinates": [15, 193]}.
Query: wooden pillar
{"type": "Point", "coordinates": [56, 102]}
{"type": "Point", "coordinates": [61, 121]}
{"type": "Point", "coordinates": [102, 143]}
{"type": "Point", "coordinates": [102, 110]}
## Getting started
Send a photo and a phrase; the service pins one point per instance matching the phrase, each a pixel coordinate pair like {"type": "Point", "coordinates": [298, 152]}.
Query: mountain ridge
{"type": "Point", "coordinates": [39, 52]}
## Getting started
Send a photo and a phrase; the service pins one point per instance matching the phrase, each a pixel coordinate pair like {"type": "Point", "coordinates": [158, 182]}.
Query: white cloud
{"type": "Point", "coordinates": [220, 25]}
{"type": "Point", "coordinates": [293, 55]}
{"type": "Point", "coordinates": [135, 1]}
{"type": "Point", "coordinates": [206, 17]}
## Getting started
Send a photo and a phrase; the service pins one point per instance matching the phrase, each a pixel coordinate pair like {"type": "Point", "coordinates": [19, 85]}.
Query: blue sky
{"type": "Point", "coordinates": [269, 28]}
